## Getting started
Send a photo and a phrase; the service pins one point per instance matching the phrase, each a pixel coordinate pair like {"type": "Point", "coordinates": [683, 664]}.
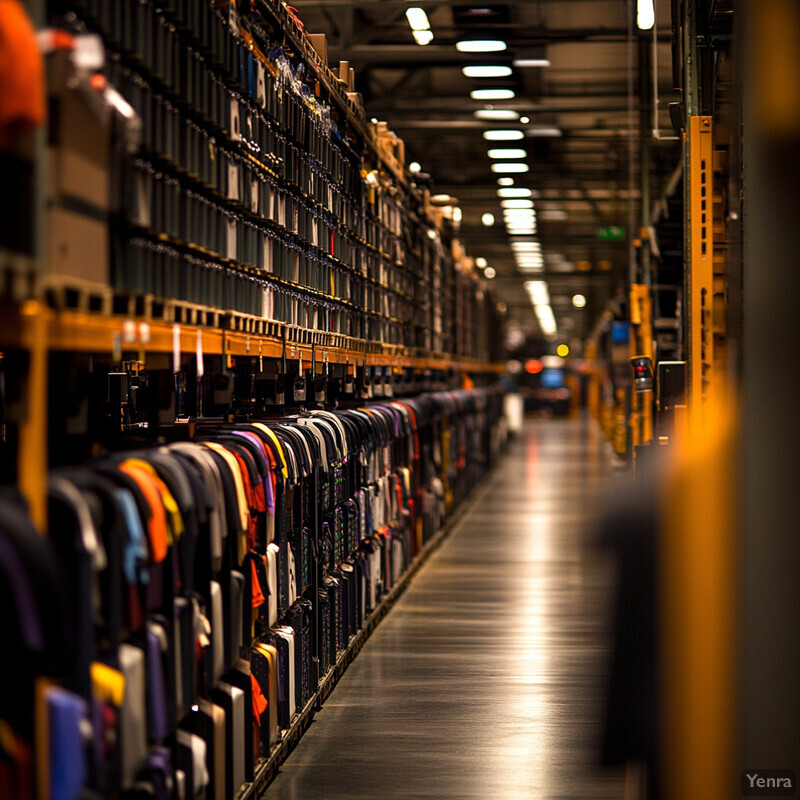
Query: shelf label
{"type": "Point", "coordinates": [200, 365]}
{"type": "Point", "coordinates": [176, 348]}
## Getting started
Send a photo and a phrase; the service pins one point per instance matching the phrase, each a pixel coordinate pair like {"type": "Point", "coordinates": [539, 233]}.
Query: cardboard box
{"type": "Point", "coordinates": [77, 246]}
{"type": "Point", "coordinates": [79, 137]}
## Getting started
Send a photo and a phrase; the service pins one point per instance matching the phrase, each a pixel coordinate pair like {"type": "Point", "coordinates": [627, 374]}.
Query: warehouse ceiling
{"type": "Point", "coordinates": [575, 112]}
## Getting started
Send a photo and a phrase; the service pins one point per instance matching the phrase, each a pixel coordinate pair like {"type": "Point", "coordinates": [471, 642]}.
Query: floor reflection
{"type": "Point", "coordinates": [486, 679]}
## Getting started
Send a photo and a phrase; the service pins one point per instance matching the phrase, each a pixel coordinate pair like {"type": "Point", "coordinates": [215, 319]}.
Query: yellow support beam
{"type": "Point", "coordinates": [84, 332]}
{"type": "Point", "coordinates": [32, 452]}
{"type": "Point", "coordinates": [698, 609]}
{"type": "Point", "coordinates": [700, 332]}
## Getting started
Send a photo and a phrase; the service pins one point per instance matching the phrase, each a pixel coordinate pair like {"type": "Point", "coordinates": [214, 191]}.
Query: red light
{"type": "Point", "coordinates": [533, 366]}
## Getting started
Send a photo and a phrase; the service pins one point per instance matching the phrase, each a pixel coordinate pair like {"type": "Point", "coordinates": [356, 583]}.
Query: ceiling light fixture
{"type": "Point", "coordinates": [415, 166]}
{"type": "Point", "coordinates": [507, 152]}
{"type": "Point", "coordinates": [532, 57]}
{"type": "Point", "coordinates": [487, 219]}
{"type": "Point", "coordinates": [481, 262]}
{"type": "Point", "coordinates": [486, 71]}
{"type": "Point", "coordinates": [418, 19]}
{"type": "Point", "coordinates": [540, 295]}
{"type": "Point", "coordinates": [490, 272]}
{"type": "Point", "coordinates": [496, 114]}
{"type": "Point", "coordinates": [544, 131]}
{"type": "Point", "coordinates": [546, 319]}
{"type": "Point", "coordinates": [524, 120]}
{"type": "Point", "coordinates": [492, 94]}
{"type": "Point", "coordinates": [524, 63]}
{"type": "Point", "coordinates": [422, 37]}
{"type": "Point", "coordinates": [503, 135]}
{"type": "Point", "coordinates": [514, 191]}
{"type": "Point", "coordinates": [511, 166]}
{"type": "Point", "coordinates": [515, 203]}
{"type": "Point", "coordinates": [645, 15]}
{"type": "Point", "coordinates": [578, 300]}
{"type": "Point", "coordinates": [480, 46]}
{"type": "Point", "coordinates": [505, 181]}
{"type": "Point", "coordinates": [553, 214]}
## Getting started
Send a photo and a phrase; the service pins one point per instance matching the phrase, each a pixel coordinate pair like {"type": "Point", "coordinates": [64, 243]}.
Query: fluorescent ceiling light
{"type": "Point", "coordinates": [487, 219]}
{"type": "Point", "coordinates": [511, 166]}
{"type": "Point", "coordinates": [519, 214]}
{"type": "Point", "coordinates": [553, 214]}
{"type": "Point", "coordinates": [526, 244]}
{"type": "Point", "coordinates": [514, 191]}
{"type": "Point", "coordinates": [532, 57]}
{"type": "Point", "coordinates": [539, 292]}
{"type": "Point", "coordinates": [507, 152]}
{"type": "Point", "coordinates": [522, 63]}
{"type": "Point", "coordinates": [645, 15]}
{"type": "Point", "coordinates": [505, 181]}
{"type": "Point", "coordinates": [492, 94]}
{"type": "Point", "coordinates": [544, 131]}
{"type": "Point", "coordinates": [516, 203]}
{"type": "Point", "coordinates": [547, 321]}
{"type": "Point", "coordinates": [481, 262]}
{"type": "Point", "coordinates": [417, 19]}
{"type": "Point", "coordinates": [486, 71]}
{"type": "Point", "coordinates": [496, 114]}
{"type": "Point", "coordinates": [480, 46]}
{"type": "Point", "coordinates": [423, 37]}
{"type": "Point", "coordinates": [503, 136]}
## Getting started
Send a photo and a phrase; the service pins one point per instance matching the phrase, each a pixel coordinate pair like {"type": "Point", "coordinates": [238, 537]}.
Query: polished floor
{"type": "Point", "coordinates": [486, 680]}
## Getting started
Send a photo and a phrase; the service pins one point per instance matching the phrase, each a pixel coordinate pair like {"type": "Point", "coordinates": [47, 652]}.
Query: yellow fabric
{"type": "Point", "coordinates": [108, 684]}
{"type": "Point", "coordinates": [261, 426]}
{"type": "Point", "coordinates": [241, 496]}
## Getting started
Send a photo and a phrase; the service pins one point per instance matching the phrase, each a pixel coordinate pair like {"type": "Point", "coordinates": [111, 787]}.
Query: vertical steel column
{"type": "Point", "coordinates": [770, 544]}
{"type": "Point", "coordinates": [700, 264]}
{"type": "Point", "coordinates": [32, 457]}
{"type": "Point", "coordinates": [697, 549]}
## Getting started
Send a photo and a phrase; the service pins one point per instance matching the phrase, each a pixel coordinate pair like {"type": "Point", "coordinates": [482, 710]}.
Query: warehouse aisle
{"type": "Point", "coordinates": [486, 679]}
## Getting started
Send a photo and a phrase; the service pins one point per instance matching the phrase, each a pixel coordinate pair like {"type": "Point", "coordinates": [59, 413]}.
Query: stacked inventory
{"type": "Point", "coordinates": [242, 178]}
{"type": "Point", "coordinates": [224, 277]}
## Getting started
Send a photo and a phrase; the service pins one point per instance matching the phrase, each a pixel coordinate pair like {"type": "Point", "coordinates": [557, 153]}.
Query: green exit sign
{"type": "Point", "coordinates": [611, 233]}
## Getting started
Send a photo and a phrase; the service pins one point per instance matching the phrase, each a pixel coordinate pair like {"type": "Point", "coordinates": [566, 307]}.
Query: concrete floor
{"type": "Point", "coordinates": [486, 680]}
